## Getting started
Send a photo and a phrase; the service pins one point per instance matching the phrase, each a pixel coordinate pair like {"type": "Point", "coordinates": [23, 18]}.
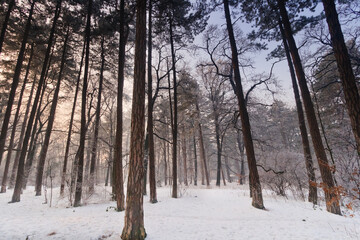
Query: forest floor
{"type": "Point", "coordinates": [198, 214]}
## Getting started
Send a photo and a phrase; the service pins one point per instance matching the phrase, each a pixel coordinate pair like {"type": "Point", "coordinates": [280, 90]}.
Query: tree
{"type": "Point", "coordinates": [80, 167]}
{"type": "Point", "coordinates": [5, 23]}
{"type": "Point", "coordinates": [150, 125]}
{"type": "Point", "coordinates": [255, 186]}
{"type": "Point", "coordinates": [68, 140]}
{"type": "Point", "coordinates": [347, 77]}
{"type": "Point", "coordinates": [20, 172]}
{"type": "Point", "coordinates": [332, 198]}
{"type": "Point", "coordinates": [180, 25]}
{"type": "Point", "coordinates": [16, 119]}
{"type": "Point", "coordinates": [302, 126]}
{"type": "Point", "coordinates": [15, 82]}
{"type": "Point", "coordinates": [134, 216]}
{"type": "Point", "coordinates": [45, 145]}
{"type": "Point", "coordinates": [118, 151]}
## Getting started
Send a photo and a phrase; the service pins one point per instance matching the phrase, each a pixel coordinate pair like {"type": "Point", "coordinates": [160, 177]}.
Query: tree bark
{"type": "Point", "coordinates": [20, 172]}
{"type": "Point", "coordinates": [33, 141]}
{"type": "Point", "coordinates": [183, 144]}
{"type": "Point", "coordinates": [195, 162]}
{"type": "Point", "coordinates": [80, 165]}
{"type": "Point", "coordinates": [227, 169]}
{"type": "Point", "coordinates": [202, 148]}
{"type": "Point", "coordinates": [175, 118]}
{"type": "Point", "coordinates": [255, 188]}
{"type": "Point", "coordinates": [165, 164]}
{"type": "Point", "coordinates": [45, 145]}
{"type": "Point", "coordinates": [347, 77]}
{"type": "Point", "coordinates": [68, 140]}
{"type": "Point", "coordinates": [241, 165]}
{"type": "Point", "coordinates": [302, 126]}
{"type": "Point", "coordinates": [150, 124]}
{"type": "Point", "coordinates": [15, 83]}
{"type": "Point", "coordinates": [5, 23]}
{"type": "Point", "coordinates": [331, 196]}
{"type": "Point", "coordinates": [134, 214]}
{"type": "Point", "coordinates": [218, 145]}
{"type": "Point", "coordinates": [97, 121]}
{"type": "Point", "coordinates": [16, 119]}
{"type": "Point", "coordinates": [118, 166]}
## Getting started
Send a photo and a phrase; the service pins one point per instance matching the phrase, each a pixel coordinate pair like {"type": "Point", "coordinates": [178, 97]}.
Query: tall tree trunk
{"type": "Point", "coordinates": [111, 147]}
{"type": "Point", "coordinates": [183, 145]}
{"type": "Point", "coordinates": [15, 83]}
{"type": "Point", "coordinates": [257, 200]}
{"type": "Point", "coordinates": [202, 148]}
{"type": "Point", "coordinates": [165, 162]}
{"type": "Point", "coordinates": [150, 124]}
{"type": "Point", "coordinates": [347, 77]}
{"type": "Point", "coordinates": [68, 140]}
{"type": "Point", "coordinates": [171, 117]}
{"type": "Point", "coordinates": [302, 126]}
{"type": "Point", "coordinates": [16, 119]}
{"type": "Point", "coordinates": [175, 118]}
{"type": "Point", "coordinates": [20, 172]}
{"type": "Point", "coordinates": [35, 132]}
{"type": "Point", "coordinates": [331, 197]}
{"type": "Point", "coordinates": [33, 141]}
{"type": "Point", "coordinates": [118, 166]}
{"type": "Point", "coordinates": [195, 162]}
{"type": "Point", "coordinates": [146, 163]}
{"type": "Point", "coordinates": [227, 169]}
{"type": "Point", "coordinates": [5, 23]}
{"type": "Point", "coordinates": [218, 145]}
{"type": "Point", "coordinates": [97, 120]}
{"type": "Point", "coordinates": [45, 145]}
{"type": "Point", "coordinates": [134, 214]}
{"type": "Point", "coordinates": [80, 165]}
{"type": "Point", "coordinates": [21, 138]}
{"type": "Point", "coordinates": [241, 165]}
{"type": "Point", "coordinates": [223, 176]}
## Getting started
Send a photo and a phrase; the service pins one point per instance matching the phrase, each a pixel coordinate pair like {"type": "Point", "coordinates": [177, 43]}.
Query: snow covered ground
{"type": "Point", "coordinates": [199, 214]}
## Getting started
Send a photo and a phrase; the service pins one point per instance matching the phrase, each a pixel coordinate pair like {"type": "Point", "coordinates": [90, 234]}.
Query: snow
{"type": "Point", "coordinates": [199, 214]}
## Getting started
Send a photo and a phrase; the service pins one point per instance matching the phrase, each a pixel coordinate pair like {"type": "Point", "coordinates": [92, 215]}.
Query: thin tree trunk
{"type": "Point", "coordinates": [33, 141]}
{"type": "Point", "coordinates": [183, 143]}
{"type": "Point", "coordinates": [97, 121]}
{"type": "Point", "coordinates": [347, 77]}
{"type": "Point", "coordinates": [257, 200]}
{"type": "Point", "coordinates": [302, 126]}
{"type": "Point", "coordinates": [241, 165]}
{"type": "Point", "coordinates": [150, 126]}
{"type": "Point", "coordinates": [218, 145]}
{"type": "Point", "coordinates": [165, 164]}
{"type": "Point", "coordinates": [80, 165]}
{"type": "Point", "coordinates": [146, 163]}
{"type": "Point", "coordinates": [5, 23]}
{"type": "Point", "coordinates": [223, 175]}
{"type": "Point", "coordinates": [134, 214]}
{"type": "Point", "coordinates": [68, 140]}
{"type": "Point", "coordinates": [227, 169]}
{"type": "Point", "coordinates": [35, 132]}
{"type": "Point", "coordinates": [16, 119]}
{"type": "Point", "coordinates": [331, 197]}
{"type": "Point", "coordinates": [45, 145]}
{"type": "Point", "coordinates": [118, 166]}
{"type": "Point", "coordinates": [195, 162]}
{"type": "Point", "coordinates": [202, 148]}
{"type": "Point", "coordinates": [21, 138]}
{"type": "Point", "coordinates": [15, 83]}
{"type": "Point", "coordinates": [20, 172]}
{"type": "Point", "coordinates": [175, 118]}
